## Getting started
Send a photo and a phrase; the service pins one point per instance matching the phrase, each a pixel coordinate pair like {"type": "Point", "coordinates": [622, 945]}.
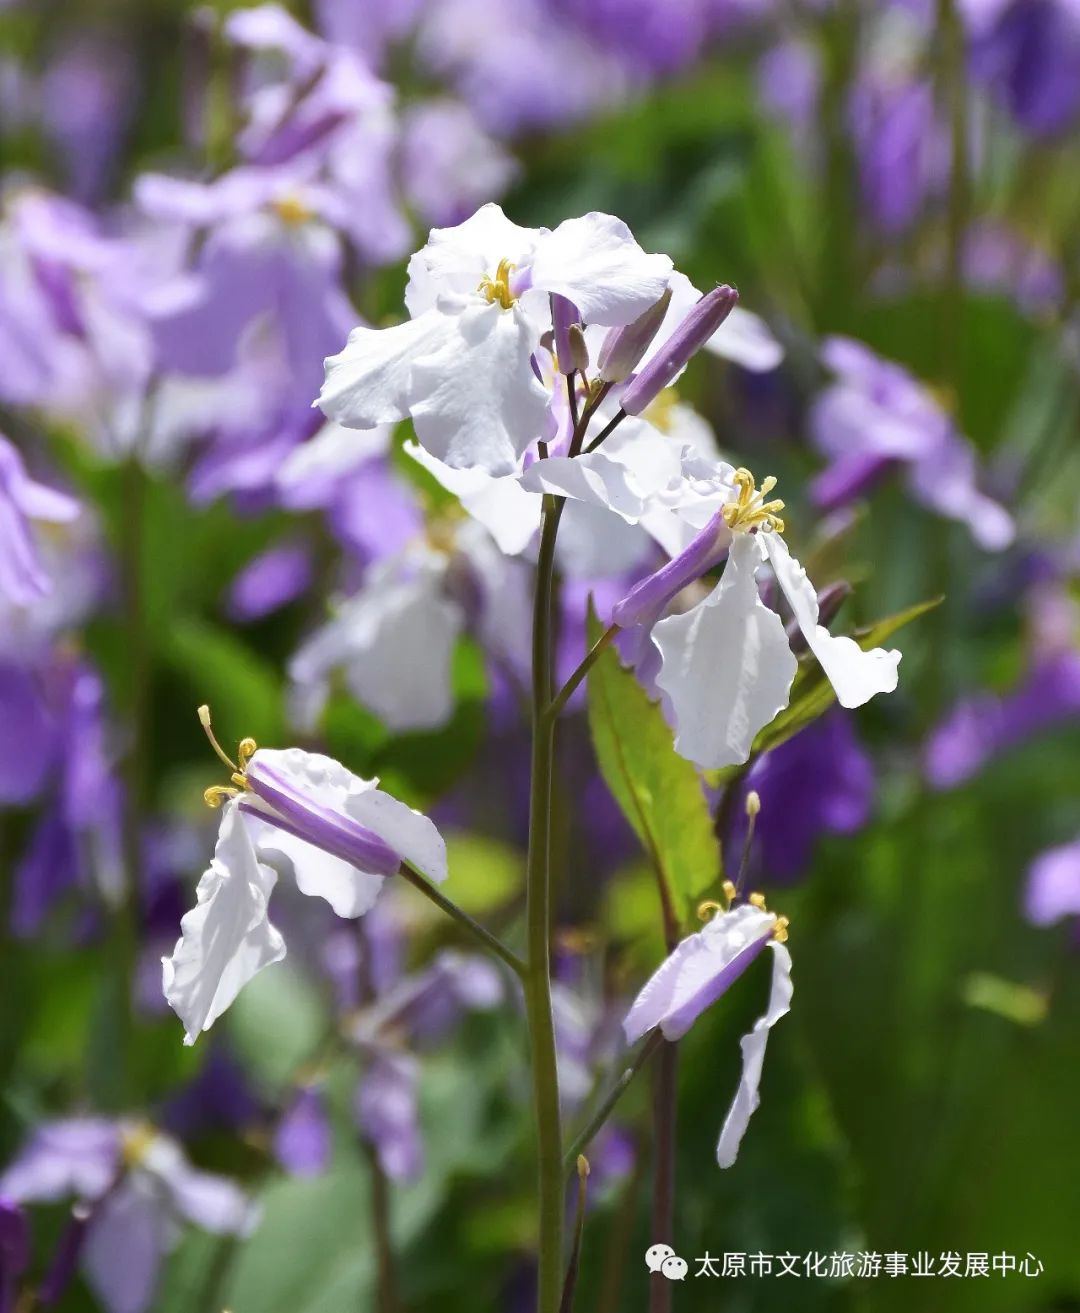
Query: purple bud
{"type": "Point", "coordinates": [564, 314]}
{"type": "Point", "coordinates": [645, 602]}
{"type": "Point", "coordinates": [302, 1141]}
{"type": "Point", "coordinates": [623, 347]}
{"type": "Point", "coordinates": [831, 598]}
{"type": "Point", "coordinates": [692, 334]}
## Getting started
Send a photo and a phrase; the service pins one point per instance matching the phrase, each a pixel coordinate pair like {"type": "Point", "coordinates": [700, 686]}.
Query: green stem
{"type": "Point", "coordinates": [591, 657]}
{"type": "Point", "coordinates": [490, 941]}
{"type": "Point", "coordinates": [538, 915]}
{"type": "Point", "coordinates": [665, 1099]}
{"type": "Point", "coordinates": [618, 1089]}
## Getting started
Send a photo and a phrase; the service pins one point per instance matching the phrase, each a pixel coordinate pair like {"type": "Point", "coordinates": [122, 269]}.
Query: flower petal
{"type": "Point", "coordinates": [227, 937]}
{"type": "Point", "coordinates": [727, 666]}
{"type": "Point", "coordinates": [595, 262]}
{"type": "Point", "coordinates": [370, 381]}
{"type": "Point", "coordinates": [477, 400]}
{"type": "Point", "coordinates": [506, 510]}
{"type": "Point", "coordinates": [855, 675]}
{"type": "Point", "coordinates": [746, 339]}
{"type": "Point", "coordinates": [126, 1244]}
{"type": "Point", "coordinates": [753, 1050]}
{"type": "Point", "coordinates": [698, 971]}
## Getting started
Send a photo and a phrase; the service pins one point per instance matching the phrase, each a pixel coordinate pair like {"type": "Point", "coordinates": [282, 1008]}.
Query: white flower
{"type": "Point", "coordinates": [463, 366]}
{"type": "Point", "coordinates": [699, 970]}
{"type": "Point", "coordinates": [727, 667]}
{"type": "Point", "coordinates": [293, 812]}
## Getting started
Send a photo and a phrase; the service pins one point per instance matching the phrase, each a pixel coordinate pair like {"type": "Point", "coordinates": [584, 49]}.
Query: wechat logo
{"type": "Point", "coordinates": [664, 1259]}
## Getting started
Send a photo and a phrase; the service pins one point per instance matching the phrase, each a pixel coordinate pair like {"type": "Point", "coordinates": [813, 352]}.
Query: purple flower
{"type": "Point", "coordinates": [1027, 52]}
{"type": "Point", "coordinates": [981, 726]}
{"type": "Point", "coordinates": [1052, 888]}
{"type": "Point", "coordinates": [22, 500]}
{"type": "Point", "coordinates": [903, 149]}
{"type": "Point", "coordinates": [876, 416]}
{"type": "Point", "coordinates": [819, 782]}
{"type": "Point", "coordinates": [302, 1142]}
{"type": "Point", "coordinates": [138, 1185]}
{"type": "Point", "coordinates": [388, 1115]}
{"type": "Point", "coordinates": [270, 581]}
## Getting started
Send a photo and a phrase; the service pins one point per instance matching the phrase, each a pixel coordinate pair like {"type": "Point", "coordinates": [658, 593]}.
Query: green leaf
{"type": "Point", "coordinates": [222, 670]}
{"type": "Point", "coordinates": [659, 792]}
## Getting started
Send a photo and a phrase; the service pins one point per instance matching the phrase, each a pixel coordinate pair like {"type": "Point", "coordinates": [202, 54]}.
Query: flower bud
{"type": "Point", "coordinates": [579, 351]}
{"type": "Point", "coordinates": [564, 315]}
{"type": "Point", "coordinates": [623, 347]}
{"type": "Point", "coordinates": [692, 334]}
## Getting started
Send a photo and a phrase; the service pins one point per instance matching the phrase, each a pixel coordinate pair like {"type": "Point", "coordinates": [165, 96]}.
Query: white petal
{"type": "Point", "coordinates": [597, 264]}
{"type": "Point", "coordinates": [727, 666]}
{"type": "Point", "coordinates": [596, 480]}
{"type": "Point", "coordinates": [457, 259]}
{"type": "Point", "coordinates": [509, 513]}
{"type": "Point", "coordinates": [746, 339]}
{"type": "Point", "coordinates": [394, 640]}
{"type": "Point", "coordinates": [371, 381]}
{"type": "Point", "coordinates": [855, 675]}
{"type": "Point", "coordinates": [753, 1050]}
{"type": "Point", "coordinates": [227, 937]}
{"type": "Point", "coordinates": [349, 891]}
{"type": "Point", "coordinates": [334, 787]}
{"type": "Point", "coordinates": [478, 401]}
{"type": "Point", "coordinates": [669, 999]}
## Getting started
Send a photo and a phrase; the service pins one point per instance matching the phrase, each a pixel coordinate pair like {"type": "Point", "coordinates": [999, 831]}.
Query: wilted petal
{"type": "Point", "coordinates": [125, 1245]}
{"type": "Point", "coordinates": [477, 400]}
{"type": "Point", "coordinates": [698, 971]}
{"type": "Point", "coordinates": [727, 666]}
{"type": "Point", "coordinates": [370, 381]}
{"type": "Point", "coordinates": [227, 937]}
{"type": "Point", "coordinates": [753, 1050]}
{"type": "Point", "coordinates": [855, 675]}
{"type": "Point", "coordinates": [595, 262]}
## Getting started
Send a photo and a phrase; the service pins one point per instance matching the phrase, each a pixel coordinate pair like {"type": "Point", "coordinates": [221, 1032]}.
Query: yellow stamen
{"type": "Point", "coordinates": [730, 891]}
{"type": "Point", "coordinates": [780, 929]}
{"type": "Point", "coordinates": [750, 510]}
{"type": "Point", "coordinates": [135, 1141]}
{"type": "Point", "coordinates": [291, 210]}
{"type": "Point", "coordinates": [707, 909]}
{"type": "Point", "coordinates": [757, 900]}
{"type": "Point", "coordinates": [497, 289]}
{"type": "Point", "coordinates": [218, 794]}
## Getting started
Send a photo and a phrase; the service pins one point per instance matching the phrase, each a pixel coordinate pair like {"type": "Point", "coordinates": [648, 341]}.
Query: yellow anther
{"type": "Point", "coordinates": [219, 793]}
{"type": "Point", "coordinates": [291, 210]}
{"type": "Point", "coordinates": [750, 510]}
{"type": "Point", "coordinates": [757, 900]}
{"type": "Point", "coordinates": [753, 803]}
{"type": "Point", "coordinates": [497, 289]}
{"type": "Point", "coordinates": [582, 1166]}
{"type": "Point", "coordinates": [706, 909]}
{"type": "Point", "coordinates": [135, 1141]}
{"type": "Point", "coordinates": [780, 929]}
{"type": "Point", "coordinates": [730, 891]}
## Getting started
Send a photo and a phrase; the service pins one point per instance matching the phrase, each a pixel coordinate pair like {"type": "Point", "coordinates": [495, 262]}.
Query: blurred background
{"type": "Point", "coordinates": [197, 203]}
